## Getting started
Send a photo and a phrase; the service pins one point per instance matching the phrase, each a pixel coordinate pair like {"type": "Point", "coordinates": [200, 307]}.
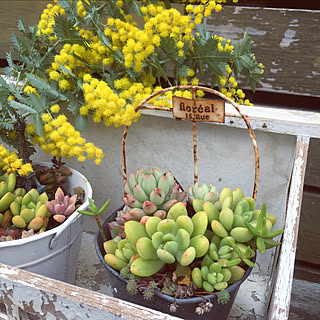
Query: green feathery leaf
{"type": "Point", "coordinates": [6, 125]}
{"type": "Point", "coordinates": [15, 41]}
{"type": "Point", "coordinates": [244, 61]}
{"type": "Point", "coordinates": [66, 70]}
{"type": "Point", "coordinates": [74, 106]}
{"type": "Point", "coordinates": [21, 25]}
{"type": "Point", "coordinates": [37, 123]}
{"type": "Point", "coordinates": [3, 82]}
{"type": "Point", "coordinates": [10, 60]}
{"type": "Point", "coordinates": [42, 85]}
{"type": "Point", "coordinates": [22, 106]}
{"type": "Point", "coordinates": [25, 45]}
{"type": "Point", "coordinates": [81, 122]}
{"type": "Point", "coordinates": [35, 102]}
{"type": "Point", "coordinates": [64, 29]}
{"type": "Point", "coordinates": [207, 56]}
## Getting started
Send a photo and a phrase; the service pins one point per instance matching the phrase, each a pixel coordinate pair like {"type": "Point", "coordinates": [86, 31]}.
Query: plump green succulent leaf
{"type": "Point", "coordinates": [87, 213]}
{"type": "Point", "coordinates": [92, 206]}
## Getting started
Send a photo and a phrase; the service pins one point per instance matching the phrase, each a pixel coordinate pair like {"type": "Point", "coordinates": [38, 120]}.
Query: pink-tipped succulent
{"type": "Point", "coordinates": [62, 206]}
{"type": "Point", "coordinates": [151, 193]}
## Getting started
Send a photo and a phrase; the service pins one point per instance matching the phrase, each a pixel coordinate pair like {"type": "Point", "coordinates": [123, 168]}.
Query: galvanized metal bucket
{"type": "Point", "coordinates": [161, 302]}
{"type": "Point", "coordinates": [53, 253]}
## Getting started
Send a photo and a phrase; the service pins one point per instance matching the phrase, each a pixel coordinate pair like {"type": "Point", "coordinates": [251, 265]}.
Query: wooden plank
{"type": "Point", "coordinates": [313, 165]}
{"type": "Point", "coordinates": [293, 4]}
{"type": "Point", "coordinates": [305, 292]}
{"type": "Point", "coordinates": [51, 299]}
{"type": "Point", "coordinates": [280, 303]}
{"type": "Point", "coordinates": [264, 118]}
{"type": "Point", "coordinates": [10, 12]}
{"type": "Point", "coordinates": [309, 235]}
{"type": "Point", "coordinates": [285, 42]}
{"type": "Point", "coordinates": [305, 300]}
{"type": "Point", "coordinates": [307, 272]}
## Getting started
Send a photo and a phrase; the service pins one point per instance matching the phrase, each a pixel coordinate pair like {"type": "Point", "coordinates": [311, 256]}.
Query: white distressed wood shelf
{"type": "Point", "coordinates": [283, 139]}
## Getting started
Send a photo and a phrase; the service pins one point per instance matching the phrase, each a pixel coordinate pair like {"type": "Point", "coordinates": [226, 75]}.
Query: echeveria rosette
{"type": "Point", "coordinates": [150, 193]}
{"type": "Point", "coordinates": [202, 193]}
{"type": "Point", "coordinates": [62, 206]}
{"type": "Point", "coordinates": [234, 215]}
{"type": "Point", "coordinates": [215, 245]}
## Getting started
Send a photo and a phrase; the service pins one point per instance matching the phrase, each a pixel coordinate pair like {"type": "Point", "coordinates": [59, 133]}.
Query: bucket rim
{"type": "Point", "coordinates": [64, 225]}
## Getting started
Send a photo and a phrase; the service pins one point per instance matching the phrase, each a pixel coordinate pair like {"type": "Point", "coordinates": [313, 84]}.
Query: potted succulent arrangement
{"type": "Point", "coordinates": [184, 258]}
{"type": "Point", "coordinates": [188, 258]}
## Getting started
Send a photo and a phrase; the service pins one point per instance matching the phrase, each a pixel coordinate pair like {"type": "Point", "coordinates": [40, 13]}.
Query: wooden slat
{"type": "Point", "coordinates": [280, 305]}
{"type": "Point", "coordinates": [313, 168]}
{"type": "Point", "coordinates": [10, 12]}
{"type": "Point", "coordinates": [293, 4]}
{"type": "Point", "coordinates": [51, 299]}
{"type": "Point", "coordinates": [264, 118]}
{"type": "Point", "coordinates": [305, 300]}
{"type": "Point", "coordinates": [309, 235]}
{"type": "Point", "coordinates": [285, 42]}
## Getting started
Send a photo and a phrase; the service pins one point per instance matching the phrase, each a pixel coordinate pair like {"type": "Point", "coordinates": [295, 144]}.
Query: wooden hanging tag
{"type": "Point", "coordinates": [209, 110]}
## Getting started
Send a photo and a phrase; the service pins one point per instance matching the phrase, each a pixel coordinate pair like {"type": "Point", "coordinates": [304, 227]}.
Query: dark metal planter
{"type": "Point", "coordinates": [162, 302]}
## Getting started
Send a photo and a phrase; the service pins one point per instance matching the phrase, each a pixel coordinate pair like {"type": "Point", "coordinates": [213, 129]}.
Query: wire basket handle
{"type": "Point", "coordinates": [194, 88]}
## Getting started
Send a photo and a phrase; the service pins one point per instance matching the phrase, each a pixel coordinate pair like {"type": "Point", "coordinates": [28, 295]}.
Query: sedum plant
{"type": "Point", "coordinates": [204, 192]}
{"type": "Point", "coordinates": [25, 212]}
{"type": "Point", "coordinates": [94, 211]}
{"type": "Point", "coordinates": [178, 238]}
{"type": "Point", "coordinates": [146, 193]}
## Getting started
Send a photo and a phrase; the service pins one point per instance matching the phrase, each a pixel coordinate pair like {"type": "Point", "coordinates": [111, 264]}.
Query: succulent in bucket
{"type": "Point", "coordinates": [150, 193]}
{"type": "Point", "coordinates": [62, 206]}
{"type": "Point", "coordinates": [29, 210]}
{"type": "Point", "coordinates": [19, 208]}
{"type": "Point", "coordinates": [52, 177]}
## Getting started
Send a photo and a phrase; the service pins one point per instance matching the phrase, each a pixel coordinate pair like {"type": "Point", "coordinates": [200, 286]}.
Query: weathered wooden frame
{"type": "Point", "coordinates": [18, 287]}
{"type": "Point", "coordinates": [51, 299]}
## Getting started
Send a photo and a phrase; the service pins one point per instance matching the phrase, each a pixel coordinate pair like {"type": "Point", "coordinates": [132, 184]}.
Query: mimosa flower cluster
{"type": "Point", "coordinates": [137, 46]}
{"type": "Point", "coordinates": [62, 140]}
{"type": "Point", "coordinates": [10, 162]}
{"type": "Point", "coordinates": [100, 59]}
